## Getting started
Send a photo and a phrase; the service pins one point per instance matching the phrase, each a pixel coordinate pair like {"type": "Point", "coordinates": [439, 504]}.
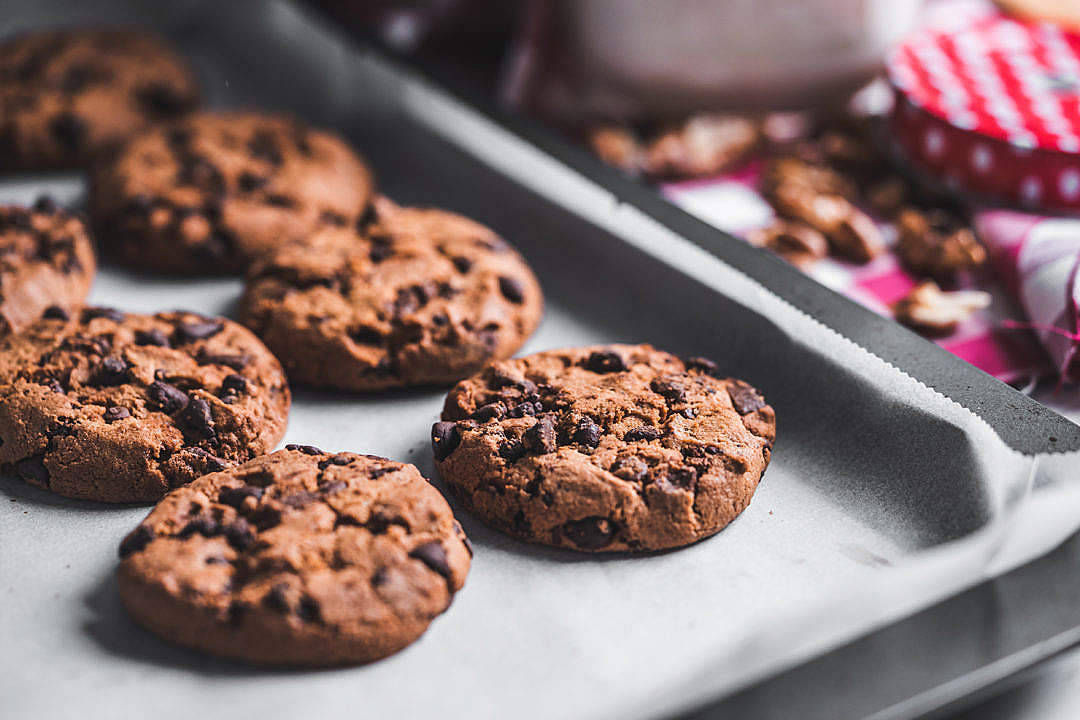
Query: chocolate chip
{"type": "Point", "coordinates": [604, 361]}
{"type": "Point", "coordinates": [306, 449]}
{"type": "Point", "coordinates": [33, 470]}
{"type": "Point", "coordinates": [115, 413]}
{"type": "Point", "coordinates": [45, 205]}
{"type": "Point", "coordinates": [236, 613]}
{"type": "Point", "coordinates": [108, 313]}
{"type": "Point", "coordinates": [236, 362]}
{"type": "Point", "coordinates": [69, 131]}
{"type": "Point", "coordinates": [167, 398]}
{"type": "Point", "coordinates": [381, 248]}
{"type": "Point", "coordinates": [332, 218]}
{"type": "Point", "coordinates": [587, 433]}
{"type": "Point", "coordinates": [163, 100]}
{"type": "Point", "coordinates": [684, 477]}
{"type": "Point", "coordinates": [540, 438]}
{"type": "Point", "coordinates": [525, 409]}
{"type": "Point", "coordinates": [277, 598]}
{"type": "Point", "coordinates": [265, 517]}
{"type": "Point", "coordinates": [250, 182]}
{"type": "Point", "coordinates": [462, 264]}
{"type": "Point", "coordinates": [643, 432]}
{"type": "Point", "coordinates": [365, 220]}
{"type": "Point", "coordinates": [234, 385]}
{"type": "Point", "coordinates": [410, 299]}
{"type": "Point", "coordinates": [512, 450]}
{"type": "Point", "coordinates": [591, 533]}
{"type": "Point", "coordinates": [154, 337]}
{"type": "Point", "coordinates": [379, 577]}
{"type": "Point", "coordinates": [113, 370]}
{"type": "Point", "coordinates": [202, 525]}
{"type": "Point", "coordinates": [281, 201]}
{"type": "Point", "coordinates": [364, 335]}
{"type": "Point", "coordinates": [745, 398]}
{"type": "Point", "coordinates": [433, 555]}
{"type": "Point", "coordinates": [136, 540]}
{"type": "Point", "coordinates": [700, 364]}
{"type": "Point", "coordinates": [670, 389]}
{"type": "Point", "coordinates": [239, 535]}
{"type": "Point", "coordinates": [308, 610]}
{"type": "Point", "coordinates": [55, 312]}
{"type": "Point", "coordinates": [512, 289]}
{"type": "Point", "coordinates": [491, 411]}
{"type": "Point", "coordinates": [445, 438]}
{"type": "Point", "coordinates": [197, 420]}
{"type": "Point", "coordinates": [189, 332]}
{"type": "Point", "coordinates": [339, 459]}
{"type": "Point", "coordinates": [235, 497]}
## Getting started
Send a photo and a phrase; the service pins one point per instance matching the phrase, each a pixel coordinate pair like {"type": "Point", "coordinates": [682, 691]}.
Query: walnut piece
{"type": "Point", "coordinates": [936, 243]}
{"type": "Point", "coordinates": [932, 311]}
{"type": "Point", "coordinates": [704, 145]}
{"type": "Point", "coordinates": [796, 242]}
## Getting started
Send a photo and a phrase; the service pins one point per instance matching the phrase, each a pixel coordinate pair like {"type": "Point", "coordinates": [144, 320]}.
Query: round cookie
{"type": "Point", "coordinates": [604, 448]}
{"type": "Point", "coordinates": [68, 96]}
{"type": "Point", "coordinates": [296, 558]}
{"type": "Point", "coordinates": [102, 405]}
{"type": "Point", "coordinates": [211, 192]}
{"type": "Point", "coordinates": [413, 297]}
{"type": "Point", "coordinates": [46, 263]}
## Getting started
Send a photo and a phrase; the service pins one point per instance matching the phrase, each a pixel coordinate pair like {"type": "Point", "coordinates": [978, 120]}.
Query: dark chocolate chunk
{"type": "Point", "coordinates": [306, 449]}
{"type": "Point", "coordinates": [167, 398]}
{"type": "Point", "coordinates": [643, 432]}
{"type": "Point", "coordinates": [700, 364]}
{"type": "Point", "coordinates": [112, 370]}
{"type": "Point", "coordinates": [153, 336]}
{"type": "Point", "coordinates": [136, 540]}
{"type": "Point", "coordinates": [591, 533]}
{"type": "Point", "coordinates": [69, 130]}
{"type": "Point", "coordinates": [445, 438]}
{"type": "Point", "coordinates": [512, 290]}
{"type": "Point", "coordinates": [433, 555]}
{"type": "Point", "coordinates": [189, 332]}
{"type": "Point", "coordinates": [196, 420]}
{"type": "Point", "coordinates": [235, 385]}
{"type": "Point", "coordinates": [745, 398]}
{"type": "Point", "coordinates": [587, 433]}
{"type": "Point", "coordinates": [491, 411]}
{"type": "Point", "coordinates": [540, 438]}
{"type": "Point", "coordinates": [92, 313]}
{"type": "Point", "coordinates": [239, 534]}
{"type": "Point", "coordinates": [115, 413]}
{"type": "Point", "coordinates": [55, 312]}
{"type": "Point", "coordinates": [32, 469]}
{"type": "Point", "coordinates": [277, 598]}
{"type": "Point", "coordinates": [234, 497]}
{"type": "Point", "coordinates": [605, 362]}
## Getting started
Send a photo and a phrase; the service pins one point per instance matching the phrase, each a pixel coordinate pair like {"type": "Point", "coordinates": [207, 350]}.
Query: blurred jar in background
{"type": "Point", "coordinates": [644, 60]}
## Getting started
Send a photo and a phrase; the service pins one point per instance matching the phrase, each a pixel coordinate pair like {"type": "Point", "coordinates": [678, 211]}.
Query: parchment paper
{"type": "Point", "coordinates": [882, 497]}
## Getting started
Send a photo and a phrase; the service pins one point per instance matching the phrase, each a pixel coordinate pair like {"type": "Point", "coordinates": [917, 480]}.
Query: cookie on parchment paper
{"type": "Point", "coordinates": [607, 448]}
{"type": "Point", "coordinates": [101, 405]}
{"type": "Point", "coordinates": [300, 557]}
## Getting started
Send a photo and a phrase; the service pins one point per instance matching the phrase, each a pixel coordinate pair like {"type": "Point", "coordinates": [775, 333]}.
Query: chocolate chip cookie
{"type": "Point", "coordinates": [604, 448]}
{"type": "Point", "coordinates": [67, 96]}
{"type": "Point", "coordinates": [412, 296]}
{"type": "Point", "coordinates": [300, 557]}
{"type": "Point", "coordinates": [46, 263]}
{"type": "Point", "coordinates": [102, 405]}
{"type": "Point", "coordinates": [209, 193]}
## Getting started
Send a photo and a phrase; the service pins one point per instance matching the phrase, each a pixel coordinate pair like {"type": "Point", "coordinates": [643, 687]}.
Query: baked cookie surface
{"type": "Point", "coordinates": [46, 263]}
{"type": "Point", "coordinates": [67, 96]}
{"type": "Point", "coordinates": [210, 193]}
{"type": "Point", "coordinates": [606, 448]}
{"type": "Point", "coordinates": [297, 558]}
{"type": "Point", "coordinates": [103, 405]}
{"type": "Point", "coordinates": [415, 296]}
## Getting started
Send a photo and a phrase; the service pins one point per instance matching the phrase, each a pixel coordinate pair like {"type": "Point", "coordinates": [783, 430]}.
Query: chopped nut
{"type": "Point", "coordinates": [617, 146]}
{"type": "Point", "coordinates": [937, 243]}
{"type": "Point", "coordinates": [704, 145]}
{"type": "Point", "coordinates": [888, 196]}
{"type": "Point", "coordinates": [789, 171]}
{"type": "Point", "coordinates": [850, 232]}
{"type": "Point", "coordinates": [795, 242]}
{"type": "Point", "coordinates": [931, 311]}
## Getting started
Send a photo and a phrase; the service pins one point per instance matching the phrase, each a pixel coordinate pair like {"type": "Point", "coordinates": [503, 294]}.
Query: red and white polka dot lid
{"type": "Point", "coordinates": [990, 104]}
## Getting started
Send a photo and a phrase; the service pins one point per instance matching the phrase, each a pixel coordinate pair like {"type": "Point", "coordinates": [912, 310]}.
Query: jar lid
{"type": "Point", "coordinates": [991, 104]}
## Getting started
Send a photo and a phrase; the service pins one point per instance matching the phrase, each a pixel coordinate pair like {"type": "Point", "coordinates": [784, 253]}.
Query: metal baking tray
{"type": "Point", "coordinates": [901, 480]}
